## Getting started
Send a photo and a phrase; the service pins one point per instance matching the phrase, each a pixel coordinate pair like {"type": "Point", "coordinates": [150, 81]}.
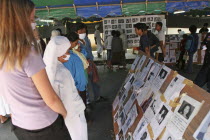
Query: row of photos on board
{"type": "Point", "coordinates": [127, 23]}
{"type": "Point", "coordinates": [142, 89]}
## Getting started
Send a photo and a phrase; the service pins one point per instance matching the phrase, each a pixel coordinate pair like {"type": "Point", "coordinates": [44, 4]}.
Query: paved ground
{"type": "Point", "coordinates": [101, 127]}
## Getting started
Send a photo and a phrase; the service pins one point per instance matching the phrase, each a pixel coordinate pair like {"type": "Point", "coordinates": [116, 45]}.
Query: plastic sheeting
{"type": "Point", "coordinates": [86, 11]}
{"type": "Point", "coordinates": [44, 3]}
{"type": "Point", "coordinates": [152, 7]}
{"type": "Point", "coordinates": [133, 9]}
{"type": "Point", "coordinates": [56, 13]}
{"type": "Point", "coordinates": [93, 2]}
{"type": "Point", "coordinates": [109, 10]}
{"type": "Point", "coordinates": [186, 6]}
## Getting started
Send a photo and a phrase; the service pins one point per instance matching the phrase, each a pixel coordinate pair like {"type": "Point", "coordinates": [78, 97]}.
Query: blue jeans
{"type": "Point", "coordinates": [190, 62]}
{"type": "Point", "coordinates": [95, 87]}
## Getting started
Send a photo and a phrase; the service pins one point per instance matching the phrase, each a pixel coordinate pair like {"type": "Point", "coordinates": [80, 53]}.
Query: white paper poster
{"type": "Point", "coordinates": [203, 131]}
{"type": "Point", "coordinates": [133, 66]}
{"type": "Point", "coordinates": [140, 127]}
{"type": "Point", "coordinates": [168, 136]}
{"type": "Point", "coordinates": [146, 69]}
{"type": "Point", "coordinates": [160, 120]}
{"type": "Point", "coordinates": [161, 77]}
{"type": "Point", "coordinates": [183, 115]}
{"type": "Point", "coordinates": [153, 108]}
{"type": "Point", "coordinates": [130, 119]}
{"type": "Point", "coordinates": [174, 88]}
{"type": "Point", "coordinates": [153, 72]}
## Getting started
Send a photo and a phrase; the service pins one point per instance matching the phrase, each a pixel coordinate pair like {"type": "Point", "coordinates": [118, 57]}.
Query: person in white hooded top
{"type": "Point", "coordinates": [63, 83]}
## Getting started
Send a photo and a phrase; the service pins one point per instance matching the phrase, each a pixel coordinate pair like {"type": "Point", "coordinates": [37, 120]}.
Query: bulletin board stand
{"type": "Point", "coordinates": [192, 91]}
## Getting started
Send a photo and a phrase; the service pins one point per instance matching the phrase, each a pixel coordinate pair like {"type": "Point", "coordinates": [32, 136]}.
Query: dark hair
{"type": "Point", "coordinates": [140, 26]}
{"type": "Point", "coordinates": [116, 34]}
{"type": "Point", "coordinates": [193, 29]}
{"type": "Point", "coordinates": [185, 36]}
{"type": "Point", "coordinates": [58, 29]}
{"type": "Point", "coordinates": [78, 26]}
{"type": "Point", "coordinates": [205, 24]}
{"type": "Point", "coordinates": [179, 30]}
{"type": "Point", "coordinates": [182, 110]}
{"type": "Point", "coordinates": [160, 24]}
{"type": "Point", "coordinates": [72, 36]}
{"type": "Point", "coordinates": [113, 32]}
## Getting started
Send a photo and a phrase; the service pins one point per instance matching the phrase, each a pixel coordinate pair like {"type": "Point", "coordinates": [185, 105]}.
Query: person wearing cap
{"type": "Point", "coordinates": [98, 40]}
{"type": "Point", "coordinates": [140, 29]}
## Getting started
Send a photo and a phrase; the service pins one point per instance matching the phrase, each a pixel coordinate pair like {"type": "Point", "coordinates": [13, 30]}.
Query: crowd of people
{"type": "Point", "coordinates": [47, 87]}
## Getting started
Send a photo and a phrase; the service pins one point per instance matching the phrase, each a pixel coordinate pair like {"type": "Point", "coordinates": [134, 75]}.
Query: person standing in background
{"type": "Point", "coordinates": [161, 53]}
{"type": "Point", "coordinates": [117, 49]}
{"type": "Point", "coordinates": [203, 77]}
{"type": "Point", "coordinates": [204, 29]}
{"type": "Point", "coordinates": [63, 83]}
{"type": "Point", "coordinates": [182, 53]}
{"type": "Point", "coordinates": [108, 46]}
{"type": "Point", "coordinates": [33, 102]}
{"type": "Point", "coordinates": [140, 29]}
{"type": "Point", "coordinates": [80, 29]}
{"type": "Point", "coordinates": [153, 42]}
{"type": "Point", "coordinates": [98, 41]}
{"type": "Point", "coordinates": [191, 47]}
{"type": "Point", "coordinates": [125, 46]}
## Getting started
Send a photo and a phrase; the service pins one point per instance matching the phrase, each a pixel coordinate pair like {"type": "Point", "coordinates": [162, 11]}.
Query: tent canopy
{"type": "Point", "coordinates": [86, 8]}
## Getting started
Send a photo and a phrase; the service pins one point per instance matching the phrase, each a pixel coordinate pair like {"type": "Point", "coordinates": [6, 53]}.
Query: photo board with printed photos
{"type": "Point", "coordinates": [156, 103]}
{"type": "Point", "coordinates": [173, 43]}
{"type": "Point", "coordinates": [127, 23]}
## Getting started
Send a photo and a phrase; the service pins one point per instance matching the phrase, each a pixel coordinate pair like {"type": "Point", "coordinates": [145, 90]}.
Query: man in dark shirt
{"type": "Point", "coordinates": [204, 29]}
{"type": "Point", "coordinates": [140, 29]}
{"type": "Point", "coordinates": [203, 76]}
{"type": "Point", "coordinates": [153, 42]}
{"type": "Point", "coordinates": [191, 47]}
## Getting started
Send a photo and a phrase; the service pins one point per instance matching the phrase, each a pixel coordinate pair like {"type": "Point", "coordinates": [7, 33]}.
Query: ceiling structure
{"type": "Point", "coordinates": [59, 9]}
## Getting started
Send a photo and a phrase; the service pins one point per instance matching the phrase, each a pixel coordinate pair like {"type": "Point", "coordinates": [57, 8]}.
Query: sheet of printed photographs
{"type": "Point", "coordinates": [148, 82]}
{"type": "Point", "coordinates": [127, 23]}
{"type": "Point", "coordinates": [173, 51]}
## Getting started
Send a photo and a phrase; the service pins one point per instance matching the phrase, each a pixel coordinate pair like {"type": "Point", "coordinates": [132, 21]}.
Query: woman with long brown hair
{"type": "Point", "coordinates": [33, 102]}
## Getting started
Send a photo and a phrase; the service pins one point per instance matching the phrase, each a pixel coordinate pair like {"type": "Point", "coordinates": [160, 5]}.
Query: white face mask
{"type": "Point", "coordinates": [33, 26]}
{"type": "Point", "coordinates": [75, 48]}
{"type": "Point", "coordinates": [82, 36]}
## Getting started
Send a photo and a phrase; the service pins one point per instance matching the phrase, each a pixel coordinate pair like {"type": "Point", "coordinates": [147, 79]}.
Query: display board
{"type": "Point", "coordinates": [127, 23]}
{"type": "Point", "coordinates": [156, 102]}
{"type": "Point", "coordinates": [173, 50]}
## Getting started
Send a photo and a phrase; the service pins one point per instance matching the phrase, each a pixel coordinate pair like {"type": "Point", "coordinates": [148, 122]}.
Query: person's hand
{"type": "Point", "coordinates": [62, 59]}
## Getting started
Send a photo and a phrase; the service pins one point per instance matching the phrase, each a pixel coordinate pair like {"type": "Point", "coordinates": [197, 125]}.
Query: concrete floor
{"type": "Point", "coordinates": [101, 128]}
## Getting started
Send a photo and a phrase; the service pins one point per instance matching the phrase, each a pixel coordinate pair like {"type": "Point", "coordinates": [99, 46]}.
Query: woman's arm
{"type": "Point", "coordinates": [45, 89]}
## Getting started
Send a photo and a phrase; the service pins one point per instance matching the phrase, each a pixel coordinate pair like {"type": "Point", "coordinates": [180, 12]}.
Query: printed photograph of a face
{"type": "Point", "coordinates": [121, 20]}
{"type": "Point", "coordinates": [143, 19]}
{"type": "Point", "coordinates": [186, 110]}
